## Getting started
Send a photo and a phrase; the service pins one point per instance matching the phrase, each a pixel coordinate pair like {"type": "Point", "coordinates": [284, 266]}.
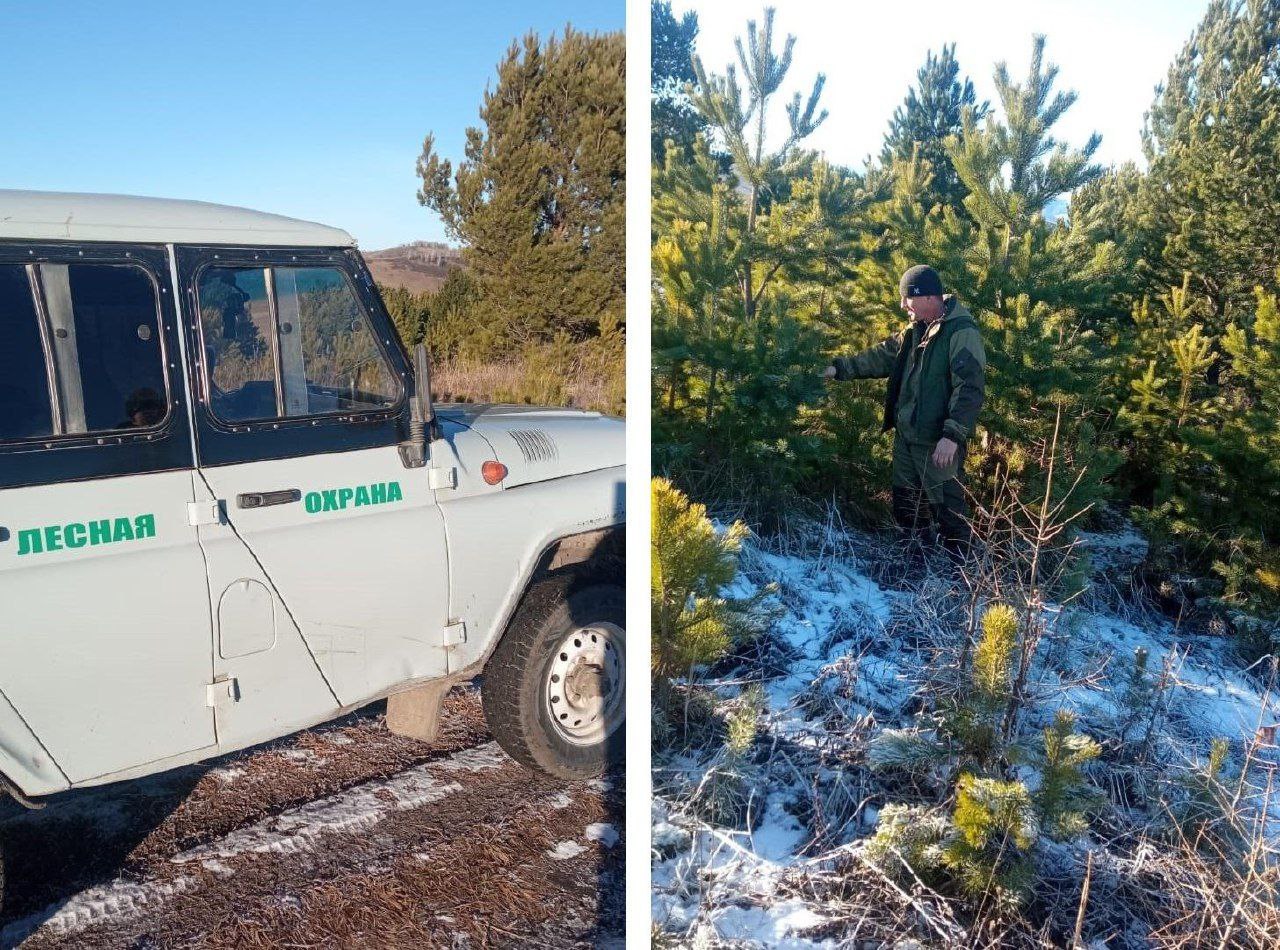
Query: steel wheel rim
{"type": "Point", "coordinates": [585, 684]}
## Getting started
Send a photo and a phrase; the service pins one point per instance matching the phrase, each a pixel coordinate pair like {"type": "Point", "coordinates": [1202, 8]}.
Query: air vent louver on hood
{"type": "Point", "coordinates": [535, 445]}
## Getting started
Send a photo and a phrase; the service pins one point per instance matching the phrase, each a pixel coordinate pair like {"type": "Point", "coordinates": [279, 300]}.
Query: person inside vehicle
{"type": "Point", "coordinates": [143, 408]}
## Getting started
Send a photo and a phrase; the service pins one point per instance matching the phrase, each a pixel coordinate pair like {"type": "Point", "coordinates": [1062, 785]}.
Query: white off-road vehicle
{"type": "Point", "coordinates": [229, 510]}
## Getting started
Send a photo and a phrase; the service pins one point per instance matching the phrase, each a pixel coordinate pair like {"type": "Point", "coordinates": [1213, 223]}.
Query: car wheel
{"type": "Point", "coordinates": [554, 691]}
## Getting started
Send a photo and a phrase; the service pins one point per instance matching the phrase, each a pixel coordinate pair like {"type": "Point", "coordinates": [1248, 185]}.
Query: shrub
{"type": "Point", "coordinates": [694, 621]}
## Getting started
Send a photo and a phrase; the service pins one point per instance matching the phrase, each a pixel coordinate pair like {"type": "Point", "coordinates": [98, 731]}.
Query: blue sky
{"type": "Point", "coordinates": [1112, 52]}
{"type": "Point", "coordinates": [315, 110]}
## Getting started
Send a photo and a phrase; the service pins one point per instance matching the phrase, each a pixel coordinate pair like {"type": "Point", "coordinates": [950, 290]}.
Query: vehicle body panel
{"type": "Point", "coordinates": [367, 585]}
{"type": "Point", "coordinates": [106, 647]}
{"type": "Point", "coordinates": [537, 444]}
{"type": "Point", "coordinates": [23, 759]}
{"type": "Point", "coordinates": [278, 686]}
{"type": "Point", "coordinates": [495, 542]}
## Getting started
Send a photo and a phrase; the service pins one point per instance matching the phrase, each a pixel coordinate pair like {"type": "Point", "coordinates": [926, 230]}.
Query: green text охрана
{"type": "Point", "coordinates": [336, 499]}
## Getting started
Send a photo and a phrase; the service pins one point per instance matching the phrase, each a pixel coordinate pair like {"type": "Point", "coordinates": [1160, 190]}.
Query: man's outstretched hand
{"type": "Point", "coordinates": [944, 453]}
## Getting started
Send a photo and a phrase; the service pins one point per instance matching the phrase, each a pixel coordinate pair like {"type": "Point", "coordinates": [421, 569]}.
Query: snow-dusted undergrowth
{"type": "Point", "coordinates": [847, 656]}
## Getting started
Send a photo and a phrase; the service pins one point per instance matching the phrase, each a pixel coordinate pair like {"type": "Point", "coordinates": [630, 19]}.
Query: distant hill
{"type": "Point", "coordinates": [417, 267]}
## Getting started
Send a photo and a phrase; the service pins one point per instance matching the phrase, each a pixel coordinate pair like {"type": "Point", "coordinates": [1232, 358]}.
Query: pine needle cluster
{"type": "Point", "coordinates": [1064, 796]}
{"type": "Point", "coordinates": [1205, 818]}
{"type": "Point", "coordinates": [965, 733]}
{"type": "Point", "coordinates": [724, 797]}
{"type": "Point", "coordinates": [693, 622]}
{"type": "Point", "coordinates": [996, 825]}
{"type": "Point", "coordinates": [984, 845]}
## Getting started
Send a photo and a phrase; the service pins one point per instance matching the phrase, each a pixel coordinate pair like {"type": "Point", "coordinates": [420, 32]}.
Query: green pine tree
{"type": "Point", "coordinates": [1012, 165]}
{"type": "Point", "coordinates": [1214, 181]}
{"type": "Point", "coordinates": [1203, 252]}
{"type": "Point", "coordinates": [456, 324]}
{"type": "Point", "coordinates": [996, 826]}
{"type": "Point", "coordinates": [692, 621]}
{"type": "Point", "coordinates": [673, 118]}
{"type": "Point", "coordinates": [966, 733]}
{"type": "Point", "coordinates": [1033, 286]}
{"type": "Point", "coordinates": [735, 344]}
{"type": "Point", "coordinates": [1250, 443]}
{"type": "Point", "coordinates": [1206, 815]}
{"type": "Point", "coordinates": [1064, 797]}
{"type": "Point", "coordinates": [931, 112]}
{"type": "Point", "coordinates": [537, 201]}
{"type": "Point", "coordinates": [742, 123]}
{"type": "Point", "coordinates": [408, 312]}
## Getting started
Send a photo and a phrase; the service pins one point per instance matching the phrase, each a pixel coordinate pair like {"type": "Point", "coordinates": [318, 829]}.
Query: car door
{"type": "Point", "coordinates": [105, 637]}
{"type": "Point", "coordinates": [302, 407]}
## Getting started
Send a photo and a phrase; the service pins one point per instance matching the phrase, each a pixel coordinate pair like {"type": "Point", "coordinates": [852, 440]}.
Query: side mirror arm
{"type": "Point", "coordinates": [424, 427]}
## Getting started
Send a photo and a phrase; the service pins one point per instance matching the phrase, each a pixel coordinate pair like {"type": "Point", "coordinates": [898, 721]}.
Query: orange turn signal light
{"type": "Point", "coordinates": [493, 472]}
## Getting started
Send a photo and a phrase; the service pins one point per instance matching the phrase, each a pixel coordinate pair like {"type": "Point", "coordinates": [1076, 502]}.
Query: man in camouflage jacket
{"type": "Point", "coordinates": [935, 369]}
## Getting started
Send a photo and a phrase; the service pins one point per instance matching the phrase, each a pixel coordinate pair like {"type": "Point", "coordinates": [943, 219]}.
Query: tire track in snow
{"type": "Point", "coordinates": [119, 900]}
{"type": "Point", "coordinates": [354, 809]}
{"type": "Point", "coordinates": [289, 832]}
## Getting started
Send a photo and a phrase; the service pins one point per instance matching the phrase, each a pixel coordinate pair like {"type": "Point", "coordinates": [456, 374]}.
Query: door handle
{"type": "Point", "coordinates": [261, 499]}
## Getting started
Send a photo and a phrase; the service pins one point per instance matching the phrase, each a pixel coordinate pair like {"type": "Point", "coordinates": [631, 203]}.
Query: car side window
{"type": "Point", "coordinates": [284, 342]}
{"type": "Point", "coordinates": [82, 350]}
{"type": "Point", "coordinates": [236, 326]}
{"type": "Point", "coordinates": [24, 379]}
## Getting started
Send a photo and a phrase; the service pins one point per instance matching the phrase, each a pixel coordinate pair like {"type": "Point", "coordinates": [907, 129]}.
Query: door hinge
{"type": "Point", "coordinates": [222, 692]}
{"type": "Point", "coordinates": [206, 512]}
{"type": "Point", "coordinates": [442, 478]}
{"type": "Point", "coordinates": [455, 634]}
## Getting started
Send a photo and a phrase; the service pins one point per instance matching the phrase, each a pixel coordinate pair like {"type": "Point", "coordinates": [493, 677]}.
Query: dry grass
{"type": "Point", "coordinates": [530, 381]}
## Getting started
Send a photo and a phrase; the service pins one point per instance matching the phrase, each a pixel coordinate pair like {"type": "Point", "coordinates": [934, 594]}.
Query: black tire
{"type": "Point", "coordinates": [515, 677]}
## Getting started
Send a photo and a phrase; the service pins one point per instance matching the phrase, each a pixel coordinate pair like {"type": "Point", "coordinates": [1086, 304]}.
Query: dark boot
{"type": "Point", "coordinates": [914, 527]}
{"type": "Point", "coordinates": [954, 533]}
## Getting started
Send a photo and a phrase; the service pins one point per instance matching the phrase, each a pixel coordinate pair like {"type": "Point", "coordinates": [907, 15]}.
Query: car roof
{"type": "Point", "coordinates": [71, 216]}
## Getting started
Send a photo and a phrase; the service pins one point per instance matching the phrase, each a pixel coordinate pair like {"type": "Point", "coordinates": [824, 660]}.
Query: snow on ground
{"type": "Point", "coordinates": [303, 755]}
{"type": "Point", "coordinates": [846, 638]}
{"type": "Point", "coordinates": [217, 867]}
{"type": "Point", "coordinates": [1212, 697]}
{"type": "Point", "coordinates": [115, 901]}
{"type": "Point", "coordinates": [1123, 548]}
{"type": "Point", "coordinates": [603, 832]}
{"type": "Point", "coordinates": [354, 809]}
{"type": "Point", "coordinates": [227, 774]}
{"type": "Point", "coordinates": [600, 831]}
{"type": "Point", "coordinates": [718, 883]}
{"type": "Point", "coordinates": [566, 851]}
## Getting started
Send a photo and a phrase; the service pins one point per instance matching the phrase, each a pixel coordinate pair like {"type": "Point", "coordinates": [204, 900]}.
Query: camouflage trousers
{"type": "Point", "coordinates": [929, 501]}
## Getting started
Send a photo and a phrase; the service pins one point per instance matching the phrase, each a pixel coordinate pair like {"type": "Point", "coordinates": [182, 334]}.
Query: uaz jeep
{"type": "Point", "coordinates": [229, 509]}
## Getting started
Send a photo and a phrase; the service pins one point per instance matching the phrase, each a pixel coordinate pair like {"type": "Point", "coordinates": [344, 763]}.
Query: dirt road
{"type": "Point", "coordinates": [340, 836]}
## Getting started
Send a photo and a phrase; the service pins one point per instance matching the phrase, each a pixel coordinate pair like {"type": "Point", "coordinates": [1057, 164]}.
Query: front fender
{"type": "Point", "coordinates": [23, 760]}
{"type": "Point", "coordinates": [496, 542]}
